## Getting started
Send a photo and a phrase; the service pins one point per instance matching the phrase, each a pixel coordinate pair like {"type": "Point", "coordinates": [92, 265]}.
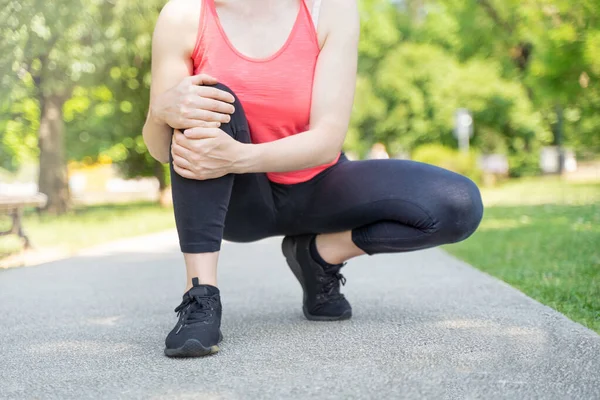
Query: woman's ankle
{"type": "Point", "coordinates": [337, 248]}
{"type": "Point", "coordinates": [202, 266]}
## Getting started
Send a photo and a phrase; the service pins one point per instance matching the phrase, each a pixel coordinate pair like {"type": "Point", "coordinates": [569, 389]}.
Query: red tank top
{"type": "Point", "coordinates": [275, 91]}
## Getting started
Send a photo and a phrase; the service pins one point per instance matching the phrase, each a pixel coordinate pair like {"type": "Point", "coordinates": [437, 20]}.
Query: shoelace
{"type": "Point", "coordinates": [196, 308]}
{"type": "Point", "coordinates": [331, 284]}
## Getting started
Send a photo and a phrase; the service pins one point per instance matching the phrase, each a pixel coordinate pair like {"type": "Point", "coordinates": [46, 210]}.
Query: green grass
{"type": "Point", "coordinates": [88, 226]}
{"type": "Point", "coordinates": [543, 237]}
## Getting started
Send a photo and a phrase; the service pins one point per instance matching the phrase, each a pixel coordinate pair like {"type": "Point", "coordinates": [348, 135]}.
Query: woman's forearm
{"type": "Point", "coordinates": [157, 137]}
{"type": "Point", "coordinates": [304, 150]}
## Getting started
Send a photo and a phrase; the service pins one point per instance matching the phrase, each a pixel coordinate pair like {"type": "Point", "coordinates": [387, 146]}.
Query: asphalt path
{"type": "Point", "coordinates": [425, 326]}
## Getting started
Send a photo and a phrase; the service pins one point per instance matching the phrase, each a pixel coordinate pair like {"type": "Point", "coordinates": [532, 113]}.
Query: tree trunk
{"type": "Point", "coordinates": [164, 191]}
{"type": "Point", "coordinates": [53, 169]}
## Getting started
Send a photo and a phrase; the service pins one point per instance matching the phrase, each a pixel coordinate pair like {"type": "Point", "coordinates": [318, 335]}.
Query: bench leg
{"type": "Point", "coordinates": [17, 228]}
{"type": "Point", "coordinates": [12, 230]}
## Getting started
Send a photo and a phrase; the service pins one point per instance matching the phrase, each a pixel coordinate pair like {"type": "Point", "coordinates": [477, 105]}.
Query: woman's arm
{"type": "Point", "coordinates": [176, 99]}
{"type": "Point", "coordinates": [333, 95]}
{"type": "Point", "coordinates": [171, 63]}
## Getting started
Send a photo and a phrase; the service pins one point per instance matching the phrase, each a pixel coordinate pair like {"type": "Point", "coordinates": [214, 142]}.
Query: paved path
{"type": "Point", "coordinates": [425, 326]}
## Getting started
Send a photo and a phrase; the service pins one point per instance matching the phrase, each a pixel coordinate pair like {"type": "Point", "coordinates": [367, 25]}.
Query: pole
{"type": "Point", "coordinates": [463, 143]}
{"type": "Point", "coordinates": [558, 137]}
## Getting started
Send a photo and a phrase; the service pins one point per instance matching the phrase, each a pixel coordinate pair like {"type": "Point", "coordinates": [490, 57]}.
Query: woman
{"type": "Point", "coordinates": [258, 154]}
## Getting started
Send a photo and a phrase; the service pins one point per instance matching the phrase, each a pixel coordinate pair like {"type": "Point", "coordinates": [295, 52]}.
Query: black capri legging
{"type": "Point", "coordinates": [389, 205]}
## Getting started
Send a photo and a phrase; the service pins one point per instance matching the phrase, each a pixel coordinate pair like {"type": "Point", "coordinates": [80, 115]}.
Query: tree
{"type": "Point", "coordinates": [61, 50]}
{"type": "Point", "coordinates": [58, 45]}
{"type": "Point", "coordinates": [411, 83]}
{"type": "Point", "coordinates": [106, 120]}
{"type": "Point", "coordinates": [551, 48]}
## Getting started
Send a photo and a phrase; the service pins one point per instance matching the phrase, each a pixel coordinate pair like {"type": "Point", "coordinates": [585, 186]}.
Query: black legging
{"type": "Point", "coordinates": [390, 205]}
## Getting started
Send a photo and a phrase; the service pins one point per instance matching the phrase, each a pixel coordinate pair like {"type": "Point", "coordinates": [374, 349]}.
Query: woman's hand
{"type": "Point", "coordinates": [190, 105]}
{"type": "Point", "coordinates": [205, 153]}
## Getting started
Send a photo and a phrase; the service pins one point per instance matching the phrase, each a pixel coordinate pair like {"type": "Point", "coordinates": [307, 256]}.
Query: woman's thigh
{"type": "Point", "coordinates": [357, 193]}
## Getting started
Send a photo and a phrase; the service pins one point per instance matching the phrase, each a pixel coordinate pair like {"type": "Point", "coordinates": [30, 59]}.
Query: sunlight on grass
{"type": "Point", "coordinates": [92, 225]}
{"type": "Point", "coordinates": [537, 191]}
{"type": "Point", "coordinates": [494, 224]}
{"type": "Point", "coordinates": [546, 244]}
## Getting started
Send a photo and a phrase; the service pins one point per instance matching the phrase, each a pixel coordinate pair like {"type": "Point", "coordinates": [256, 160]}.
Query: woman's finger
{"type": "Point", "coordinates": [216, 106]}
{"type": "Point", "coordinates": [198, 113]}
{"type": "Point", "coordinates": [214, 93]}
{"type": "Point", "coordinates": [177, 137]}
{"type": "Point", "coordinates": [202, 133]}
{"type": "Point", "coordinates": [180, 149]}
{"type": "Point", "coordinates": [183, 172]}
{"type": "Point", "coordinates": [202, 79]}
{"type": "Point", "coordinates": [182, 162]}
{"type": "Point", "coordinates": [198, 123]}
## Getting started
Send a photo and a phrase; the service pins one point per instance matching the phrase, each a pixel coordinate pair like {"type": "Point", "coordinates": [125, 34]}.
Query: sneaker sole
{"type": "Point", "coordinates": [193, 348]}
{"type": "Point", "coordinates": [344, 316]}
{"type": "Point", "coordinates": [287, 248]}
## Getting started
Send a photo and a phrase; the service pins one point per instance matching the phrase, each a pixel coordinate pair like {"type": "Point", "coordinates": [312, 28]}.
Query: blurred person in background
{"type": "Point", "coordinates": [250, 103]}
{"type": "Point", "coordinates": [378, 152]}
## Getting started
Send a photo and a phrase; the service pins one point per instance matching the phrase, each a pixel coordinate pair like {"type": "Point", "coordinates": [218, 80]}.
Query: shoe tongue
{"type": "Point", "coordinates": [333, 268]}
{"type": "Point", "coordinates": [202, 290]}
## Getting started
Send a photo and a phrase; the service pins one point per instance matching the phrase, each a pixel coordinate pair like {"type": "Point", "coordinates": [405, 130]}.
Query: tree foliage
{"type": "Point", "coordinates": [60, 55]}
{"type": "Point", "coordinates": [517, 65]}
{"type": "Point", "coordinates": [520, 66]}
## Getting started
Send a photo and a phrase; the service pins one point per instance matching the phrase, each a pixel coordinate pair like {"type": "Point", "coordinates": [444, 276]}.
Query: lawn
{"type": "Point", "coordinates": [542, 236]}
{"type": "Point", "coordinates": [88, 226]}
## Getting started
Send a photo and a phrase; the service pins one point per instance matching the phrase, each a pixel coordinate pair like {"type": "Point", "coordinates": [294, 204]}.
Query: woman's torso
{"type": "Point", "coordinates": [275, 90]}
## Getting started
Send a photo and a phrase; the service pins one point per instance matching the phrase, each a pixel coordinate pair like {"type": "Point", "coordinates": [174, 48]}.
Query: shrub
{"type": "Point", "coordinates": [524, 164]}
{"type": "Point", "coordinates": [451, 159]}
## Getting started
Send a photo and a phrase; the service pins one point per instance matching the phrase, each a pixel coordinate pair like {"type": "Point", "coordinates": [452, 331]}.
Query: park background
{"type": "Point", "coordinates": [74, 95]}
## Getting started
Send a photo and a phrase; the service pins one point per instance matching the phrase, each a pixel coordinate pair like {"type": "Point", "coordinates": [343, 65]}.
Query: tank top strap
{"type": "Point", "coordinates": [313, 11]}
{"type": "Point", "coordinates": [210, 8]}
{"type": "Point", "coordinates": [316, 8]}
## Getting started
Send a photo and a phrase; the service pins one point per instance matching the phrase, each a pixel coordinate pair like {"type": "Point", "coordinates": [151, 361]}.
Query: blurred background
{"type": "Point", "coordinates": [503, 91]}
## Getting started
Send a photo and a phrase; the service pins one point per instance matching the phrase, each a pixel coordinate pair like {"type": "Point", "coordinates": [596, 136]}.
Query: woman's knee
{"type": "Point", "coordinates": [237, 103]}
{"type": "Point", "coordinates": [225, 88]}
{"type": "Point", "coordinates": [238, 121]}
{"type": "Point", "coordinates": [461, 210]}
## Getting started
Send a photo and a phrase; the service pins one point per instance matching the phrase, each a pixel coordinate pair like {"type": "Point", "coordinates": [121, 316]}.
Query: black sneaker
{"type": "Point", "coordinates": [322, 298]}
{"type": "Point", "coordinates": [198, 331]}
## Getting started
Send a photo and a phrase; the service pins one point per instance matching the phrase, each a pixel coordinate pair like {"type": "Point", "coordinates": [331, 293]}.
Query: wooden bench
{"type": "Point", "coordinates": [14, 206]}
